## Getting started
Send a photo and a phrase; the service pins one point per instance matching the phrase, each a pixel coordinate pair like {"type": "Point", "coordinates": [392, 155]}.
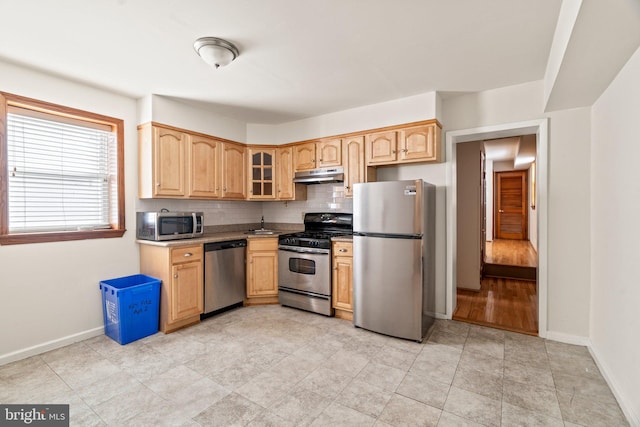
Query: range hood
{"type": "Point", "coordinates": [319, 176]}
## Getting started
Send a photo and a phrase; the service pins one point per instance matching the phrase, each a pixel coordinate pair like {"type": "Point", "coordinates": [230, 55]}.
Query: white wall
{"type": "Point", "coordinates": [615, 209]}
{"type": "Point", "coordinates": [569, 222]}
{"type": "Point", "coordinates": [411, 109]}
{"type": "Point", "coordinates": [50, 291]}
{"type": "Point", "coordinates": [569, 160]}
{"type": "Point", "coordinates": [169, 111]}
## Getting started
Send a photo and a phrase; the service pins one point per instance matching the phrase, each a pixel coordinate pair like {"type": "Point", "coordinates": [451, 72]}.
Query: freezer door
{"type": "Point", "coordinates": [388, 286]}
{"type": "Point", "coordinates": [390, 207]}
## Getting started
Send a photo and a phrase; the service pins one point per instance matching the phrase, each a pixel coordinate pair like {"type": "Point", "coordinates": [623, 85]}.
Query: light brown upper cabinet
{"type": "Point", "coordinates": [329, 153]}
{"type": "Point", "coordinates": [162, 165]}
{"type": "Point", "coordinates": [287, 190]}
{"type": "Point", "coordinates": [203, 155]}
{"type": "Point", "coordinates": [420, 143]}
{"type": "Point", "coordinates": [404, 145]}
{"type": "Point", "coordinates": [317, 154]}
{"type": "Point", "coordinates": [304, 156]}
{"type": "Point", "coordinates": [176, 164]}
{"type": "Point", "coordinates": [234, 173]}
{"type": "Point", "coordinates": [382, 148]}
{"type": "Point", "coordinates": [354, 163]}
{"type": "Point", "coordinates": [262, 173]}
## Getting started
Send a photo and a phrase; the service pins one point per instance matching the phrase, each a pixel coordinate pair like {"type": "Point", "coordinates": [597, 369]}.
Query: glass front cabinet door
{"type": "Point", "coordinates": [262, 173]}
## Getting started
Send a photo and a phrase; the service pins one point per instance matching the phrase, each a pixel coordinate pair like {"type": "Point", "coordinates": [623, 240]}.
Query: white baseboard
{"type": "Point", "coordinates": [49, 345]}
{"type": "Point", "coordinates": [443, 316]}
{"type": "Point", "coordinates": [633, 418]}
{"type": "Point", "coordinates": [568, 338]}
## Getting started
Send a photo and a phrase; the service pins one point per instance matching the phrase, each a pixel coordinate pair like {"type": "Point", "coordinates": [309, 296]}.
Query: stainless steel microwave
{"type": "Point", "coordinates": [169, 225]}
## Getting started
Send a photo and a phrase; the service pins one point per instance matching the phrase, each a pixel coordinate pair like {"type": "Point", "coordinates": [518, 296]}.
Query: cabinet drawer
{"type": "Point", "coordinates": [342, 249]}
{"type": "Point", "coordinates": [186, 254]}
{"type": "Point", "coordinates": [263, 244]}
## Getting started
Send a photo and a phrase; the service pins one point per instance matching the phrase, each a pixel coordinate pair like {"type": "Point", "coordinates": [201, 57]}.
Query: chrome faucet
{"type": "Point", "coordinates": [262, 223]}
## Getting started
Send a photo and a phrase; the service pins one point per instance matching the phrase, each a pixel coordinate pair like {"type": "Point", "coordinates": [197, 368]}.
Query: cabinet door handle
{"type": "Point", "coordinates": [188, 254]}
{"type": "Point", "coordinates": [157, 184]}
{"type": "Point", "coordinates": [394, 151]}
{"type": "Point", "coordinates": [175, 276]}
{"type": "Point", "coordinates": [342, 250]}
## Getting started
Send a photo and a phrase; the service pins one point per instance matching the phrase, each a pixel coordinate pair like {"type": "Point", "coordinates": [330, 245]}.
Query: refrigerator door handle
{"type": "Point", "coordinates": [388, 236]}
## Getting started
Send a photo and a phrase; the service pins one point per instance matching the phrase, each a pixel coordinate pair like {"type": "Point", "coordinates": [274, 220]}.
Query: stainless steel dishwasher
{"type": "Point", "coordinates": [224, 275]}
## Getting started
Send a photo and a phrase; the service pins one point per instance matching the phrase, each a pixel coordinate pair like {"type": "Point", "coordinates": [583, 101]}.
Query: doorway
{"type": "Point", "coordinates": [537, 190]}
{"type": "Point", "coordinates": [503, 294]}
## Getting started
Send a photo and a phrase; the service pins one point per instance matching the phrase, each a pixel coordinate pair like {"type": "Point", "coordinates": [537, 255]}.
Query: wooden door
{"type": "Point", "coordinates": [262, 274]}
{"type": "Point", "coordinates": [354, 163]}
{"type": "Point", "coordinates": [329, 153]}
{"type": "Point", "coordinates": [418, 143]}
{"type": "Point", "coordinates": [343, 276]}
{"type": "Point", "coordinates": [284, 163]}
{"type": "Point", "coordinates": [168, 162]}
{"type": "Point", "coordinates": [511, 205]}
{"type": "Point", "coordinates": [186, 290]}
{"type": "Point", "coordinates": [304, 156]}
{"type": "Point", "coordinates": [233, 171]}
{"type": "Point", "coordinates": [382, 147]}
{"type": "Point", "coordinates": [204, 155]}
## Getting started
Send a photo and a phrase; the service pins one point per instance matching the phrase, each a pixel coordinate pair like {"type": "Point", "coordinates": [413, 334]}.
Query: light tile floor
{"type": "Point", "coordinates": [275, 366]}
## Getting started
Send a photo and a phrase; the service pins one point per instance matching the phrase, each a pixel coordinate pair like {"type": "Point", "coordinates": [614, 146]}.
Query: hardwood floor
{"type": "Point", "coordinates": [511, 252]}
{"type": "Point", "coordinates": [501, 303]}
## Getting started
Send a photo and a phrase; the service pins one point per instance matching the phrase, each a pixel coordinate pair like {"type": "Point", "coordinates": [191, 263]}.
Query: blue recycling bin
{"type": "Point", "coordinates": [130, 306]}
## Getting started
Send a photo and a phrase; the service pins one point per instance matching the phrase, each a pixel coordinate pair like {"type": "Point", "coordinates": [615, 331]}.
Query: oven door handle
{"type": "Point", "coordinates": [303, 250]}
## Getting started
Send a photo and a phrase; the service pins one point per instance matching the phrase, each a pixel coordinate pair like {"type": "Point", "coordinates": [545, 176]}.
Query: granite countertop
{"type": "Point", "coordinates": [342, 239]}
{"type": "Point", "coordinates": [226, 233]}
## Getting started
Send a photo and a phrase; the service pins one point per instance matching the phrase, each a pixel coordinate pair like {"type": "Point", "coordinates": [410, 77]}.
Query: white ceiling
{"type": "Point", "coordinates": [298, 58]}
{"type": "Point", "coordinates": [520, 151]}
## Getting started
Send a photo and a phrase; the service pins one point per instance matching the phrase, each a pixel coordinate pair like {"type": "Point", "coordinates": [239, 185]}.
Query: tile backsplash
{"type": "Point", "coordinates": [320, 198]}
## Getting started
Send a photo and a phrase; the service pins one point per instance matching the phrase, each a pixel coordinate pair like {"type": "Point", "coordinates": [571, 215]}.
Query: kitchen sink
{"type": "Point", "coordinates": [260, 231]}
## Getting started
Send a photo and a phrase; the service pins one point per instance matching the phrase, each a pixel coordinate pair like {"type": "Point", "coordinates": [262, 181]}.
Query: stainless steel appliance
{"type": "Point", "coordinates": [304, 262]}
{"type": "Point", "coordinates": [224, 275]}
{"type": "Point", "coordinates": [165, 225]}
{"type": "Point", "coordinates": [393, 257]}
{"type": "Point", "coordinates": [319, 176]}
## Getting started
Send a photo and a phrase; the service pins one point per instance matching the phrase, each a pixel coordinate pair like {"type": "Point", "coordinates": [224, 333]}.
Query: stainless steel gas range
{"type": "Point", "coordinates": [304, 262]}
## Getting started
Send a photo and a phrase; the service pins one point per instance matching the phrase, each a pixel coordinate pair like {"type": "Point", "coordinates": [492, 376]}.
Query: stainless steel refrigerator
{"type": "Point", "coordinates": [393, 257]}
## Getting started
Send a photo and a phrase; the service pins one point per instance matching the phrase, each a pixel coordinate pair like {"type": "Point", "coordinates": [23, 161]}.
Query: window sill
{"type": "Point", "coordinates": [61, 236]}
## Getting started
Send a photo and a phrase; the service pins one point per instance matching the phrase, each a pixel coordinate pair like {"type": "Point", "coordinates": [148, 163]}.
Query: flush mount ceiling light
{"type": "Point", "coordinates": [216, 52]}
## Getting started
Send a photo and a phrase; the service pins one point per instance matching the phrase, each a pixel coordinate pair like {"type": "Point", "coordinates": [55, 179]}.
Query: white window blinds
{"type": "Point", "coordinates": [61, 173]}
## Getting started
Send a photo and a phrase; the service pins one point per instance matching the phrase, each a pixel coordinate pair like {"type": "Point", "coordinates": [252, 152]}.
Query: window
{"type": "Point", "coordinates": [63, 173]}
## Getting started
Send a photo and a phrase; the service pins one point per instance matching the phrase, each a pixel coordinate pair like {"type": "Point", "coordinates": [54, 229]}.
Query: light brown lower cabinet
{"type": "Point", "coordinates": [342, 298]}
{"type": "Point", "coordinates": [181, 271]}
{"type": "Point", "coordinates": [262, 271]}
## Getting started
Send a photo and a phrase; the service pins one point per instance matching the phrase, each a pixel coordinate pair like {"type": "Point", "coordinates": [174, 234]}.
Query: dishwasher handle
{"type": "Point", "coordinates": [218, 246]}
